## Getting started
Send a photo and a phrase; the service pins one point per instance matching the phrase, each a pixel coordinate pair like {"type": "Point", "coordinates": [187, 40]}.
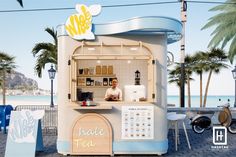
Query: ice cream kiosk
{"type": "Point", "coordinates": [89, 56]}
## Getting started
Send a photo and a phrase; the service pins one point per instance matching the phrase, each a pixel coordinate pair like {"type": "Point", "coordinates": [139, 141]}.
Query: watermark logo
{"type": "Point", "coordinates": [219, 137]}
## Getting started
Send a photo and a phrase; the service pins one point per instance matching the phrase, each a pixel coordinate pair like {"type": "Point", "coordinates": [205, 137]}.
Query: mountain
{"type": "Point", "coordinates": [17, 80]}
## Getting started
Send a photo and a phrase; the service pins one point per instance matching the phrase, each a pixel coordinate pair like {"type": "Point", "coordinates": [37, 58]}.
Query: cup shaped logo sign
{"type": "Point", "coordinates": [23, 124]}
{"type": "Point", "coordinates": [79, 25]}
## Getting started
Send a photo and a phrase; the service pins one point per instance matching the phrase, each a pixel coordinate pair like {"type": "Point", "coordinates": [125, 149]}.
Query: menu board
{"type": "Point", "coordinates": [137, 122]}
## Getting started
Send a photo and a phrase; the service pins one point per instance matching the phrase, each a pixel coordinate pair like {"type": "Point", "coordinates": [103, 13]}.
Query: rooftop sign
{"type": "Point", "coordinates": [79, 25]}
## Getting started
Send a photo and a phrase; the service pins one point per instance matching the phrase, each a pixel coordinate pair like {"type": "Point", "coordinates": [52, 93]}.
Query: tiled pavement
{"type": "Point", "coordinates": [201, 146]}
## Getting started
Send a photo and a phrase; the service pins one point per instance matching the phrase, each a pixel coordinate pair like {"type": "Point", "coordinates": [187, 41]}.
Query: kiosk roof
{"type": "Point", "coordinates": [147, 25]}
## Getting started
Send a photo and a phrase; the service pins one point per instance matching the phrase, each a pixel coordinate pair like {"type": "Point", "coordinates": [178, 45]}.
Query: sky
{"type": "Point", "coordinates": [20, 31]}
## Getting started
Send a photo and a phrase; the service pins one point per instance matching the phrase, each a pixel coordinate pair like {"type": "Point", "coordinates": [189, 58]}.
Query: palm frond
{"type": "Point", "coordinates": [232, 50]}
{"type": "Point", "coordinates": [42, 46]}
{"type": "Point", "coordinates": [224, 7]}
{"type": "Point", "coordinates": [7, 63]}
{"type": "Point", "coordinates": [53, 33]}
{"type": "Point", "coordinates": [222, 35]}
{"type": "Point", "coordinates": [20, 2]}
{"type": "Point", "coordinates": [225, 30]}
{"type": "Point", "coordinates": [45, 52]}
{"type": "Point", "coordinates": [220, 19]}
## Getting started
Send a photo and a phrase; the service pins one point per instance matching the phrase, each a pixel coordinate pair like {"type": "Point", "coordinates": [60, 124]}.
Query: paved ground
{"type": "Point", "coordinates": [201, 146]}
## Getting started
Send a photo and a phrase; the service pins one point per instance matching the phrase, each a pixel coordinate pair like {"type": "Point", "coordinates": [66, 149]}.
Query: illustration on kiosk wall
{"type": "Point", "coordinates": [79, 26]}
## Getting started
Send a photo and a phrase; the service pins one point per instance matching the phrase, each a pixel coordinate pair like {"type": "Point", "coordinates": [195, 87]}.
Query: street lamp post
{"type": "Point", "coordinates": [234, 76]}
{"type": "Point", "coordinates": [51, 73]}
{"type": "Point", "coordinates": [182, 56]}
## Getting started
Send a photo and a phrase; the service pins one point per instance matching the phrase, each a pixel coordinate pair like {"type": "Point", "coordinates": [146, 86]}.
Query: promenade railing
{"type": "Point", "coordinates": [49, 121]}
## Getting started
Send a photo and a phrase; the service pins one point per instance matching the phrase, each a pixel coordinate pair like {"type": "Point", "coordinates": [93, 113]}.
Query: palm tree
{"type": "Point", "coordinates": [216, 59]}
{"type": "Point", "coordinates": [225, 31]}
{"type": "Point", "coordinates": [174, 78]}
{"type": "Point", "coordinates": [20, 2]}
{"type": "Point", "coordinates": [45, 52]}
{"type": "Point", "coordinates": [175, 74]}
{"type": "Point", "coordinates": [7, 64]}
{"type": "Point", "coordinates": [199, 67]}
{"type": "Point", "coordinates": [188, 60]}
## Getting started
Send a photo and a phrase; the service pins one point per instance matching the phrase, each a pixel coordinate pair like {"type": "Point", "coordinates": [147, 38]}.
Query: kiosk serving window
{"type": "Point", "coordinates": [94, 66]}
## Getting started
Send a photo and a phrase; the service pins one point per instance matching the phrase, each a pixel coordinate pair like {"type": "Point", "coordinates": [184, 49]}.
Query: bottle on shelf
{"type": "Point", "coordinates": [105, 82]}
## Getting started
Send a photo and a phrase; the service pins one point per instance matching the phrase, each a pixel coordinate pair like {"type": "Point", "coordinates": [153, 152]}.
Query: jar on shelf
{"type": "Point", "coordinates": [91, 70]}
{"type": "Point", "coordinates": [88, 81]}
{"type": "Point", "coordinates": [86, 71]}
{"type": "Point", "coordinates": [110, 69]}
{"type": "Point", "coordinates": [105, 81]}
{"type": "Point", "coordinates": [104, 69]}
{"type": "Point", "coordinates": [98, 70]}
{"type": "Point", "coordinates": [91, 82]}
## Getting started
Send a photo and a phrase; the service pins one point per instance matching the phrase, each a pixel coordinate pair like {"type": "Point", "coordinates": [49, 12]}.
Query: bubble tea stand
{"type": "Point", "coordinates": [134, 51]}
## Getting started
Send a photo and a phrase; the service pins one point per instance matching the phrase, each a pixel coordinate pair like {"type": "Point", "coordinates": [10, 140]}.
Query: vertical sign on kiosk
{"type": "Point", "coordinates": [24, 134]}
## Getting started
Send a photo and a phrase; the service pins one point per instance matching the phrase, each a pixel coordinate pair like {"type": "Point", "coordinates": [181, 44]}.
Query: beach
{"type": "Point", "coordinates": [212, 101]}
{"type": "Point", "coordinates": [16, 100]}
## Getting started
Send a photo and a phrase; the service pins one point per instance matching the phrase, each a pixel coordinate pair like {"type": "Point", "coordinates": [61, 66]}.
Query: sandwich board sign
{"type": "Point", "coordinates": [24, 134]}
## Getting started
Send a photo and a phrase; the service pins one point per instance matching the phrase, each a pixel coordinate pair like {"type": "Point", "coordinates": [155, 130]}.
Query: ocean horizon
{"type": "Point", "coordinates": [212, 100]}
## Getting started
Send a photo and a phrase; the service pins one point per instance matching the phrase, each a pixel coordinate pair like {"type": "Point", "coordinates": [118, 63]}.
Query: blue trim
{"type": "Point", "coordinates": [63, 146]}
{"type": "Point", "coordinates": [126, 146]}
{"type": "Point", "coordinates": [61, 30]}
{"type": "Point", "coordinates": [138, 146]}
{"type": "Point", "coordinates": [140, 25]}
{"type": "Point", "coordinates": [39, 138]}
{"type": "Point", "coordinates": [147, 23]}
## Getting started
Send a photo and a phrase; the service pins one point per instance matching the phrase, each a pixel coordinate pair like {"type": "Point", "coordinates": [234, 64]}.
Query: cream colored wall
{"type": "Point", "coordinates": [66, 113]}
{"type": "Point", "coordinates": [158, 47]}
{"type": "Point", "coordinates": [66, 46]}
{"type": "Point", "coordinates": [114, 118]}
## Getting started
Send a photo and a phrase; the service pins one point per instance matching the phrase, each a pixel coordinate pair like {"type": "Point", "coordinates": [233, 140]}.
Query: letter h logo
{"type": "Point", "coordinates": [219, 135]}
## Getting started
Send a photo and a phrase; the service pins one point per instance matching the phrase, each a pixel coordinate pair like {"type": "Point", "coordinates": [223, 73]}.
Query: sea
{"type": "Point", "coordinates": [212, 101]}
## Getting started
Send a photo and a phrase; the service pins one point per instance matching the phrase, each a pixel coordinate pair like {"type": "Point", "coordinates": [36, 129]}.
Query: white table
{"type": "Point", "coordinates": [175, 119]}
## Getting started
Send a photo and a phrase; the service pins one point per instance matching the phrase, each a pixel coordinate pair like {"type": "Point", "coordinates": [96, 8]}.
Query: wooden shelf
{"type": "Point", "coordinates": [107, 75]}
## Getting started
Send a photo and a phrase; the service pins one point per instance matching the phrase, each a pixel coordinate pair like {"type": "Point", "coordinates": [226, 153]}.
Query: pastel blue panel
{"type": "Point", "coordinates": [141, 24]}
{"type": "Point", "coordinates": [146, 146]}
{"type": "Point", "coordinates": [39, 140]}
{"type": "Point", "coordinates": [63, 146]}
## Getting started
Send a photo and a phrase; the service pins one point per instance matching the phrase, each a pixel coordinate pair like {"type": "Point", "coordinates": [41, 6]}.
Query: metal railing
{"type": "Point", "coordinates": [49, 121]}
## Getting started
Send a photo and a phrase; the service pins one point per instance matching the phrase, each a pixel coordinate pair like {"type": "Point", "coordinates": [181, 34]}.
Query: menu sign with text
{"type": "Point", "coordinates": [137, 122]}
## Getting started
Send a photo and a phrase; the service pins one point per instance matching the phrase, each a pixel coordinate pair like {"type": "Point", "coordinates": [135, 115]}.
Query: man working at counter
{"type": "Point", "coordinates": [114, 93]}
